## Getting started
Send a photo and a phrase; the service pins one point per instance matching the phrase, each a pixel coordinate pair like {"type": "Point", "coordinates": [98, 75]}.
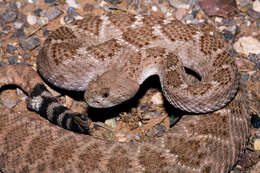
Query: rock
{"type": "Point", "coordinates": [253, 13]}
{"type": "Point", "coordinates": [180, 13]}
{"type": "Point", "coordinates": [157, 99]}
{"type": "Point", "coordinates": [7, 28]}
{"type": "Point", "coordinates": [49, 1]}
{"type": "Point", "coordinates": [32, 1]}
{"type": "Point", "coordinates": [247, 45]}
{"type": "Point", "coordinates": [18, 25]}
{"type": "Point", "coordinates": [243, 3]}
{"type": "Point", "coordinates": [37, 12]}
{"type": "Point", "coordinates": [111, 122]}
{"type": "Point", "coordinates": [257, 144]}
{"type": "Point", "coordinates": [255, 59]}
{"type": "Point", "coordinates": [11, 13]}
{"type": "Point", "coordinates": [228, 35]}
{"type": "Point", "coordinates": [31, 19]}
{"type": "Point", "coordinates": [11, 48]}
{"type": "Point", "coordinates": [255, 168]}
{"type": "Point", "coordinates": [13, 59]}
{"type": "Point", "coordinates": [29, 43]}
{"type": "Point", "coordinates": [19, 33]}
{"type": "Point", "coordinates": [26, 55]}
{"type": "Point", "coordinates": [179, 4]}
{"type": "Point", "coordinates": [159, 130]}
{"type": "Point", "coordinates": [256, 5]}
{"type": "Point", "coordinates": [244, 77]}
{"type": "Point", "coordinates": [72, 3]}
{"type": "Point", "coordinates": [52, 13]}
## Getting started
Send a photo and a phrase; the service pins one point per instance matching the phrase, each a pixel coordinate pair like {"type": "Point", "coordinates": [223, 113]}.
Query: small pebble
{"type": "Point", "coordinates": [11, 13]}
{"type": "Point", "coordinates": [31, 19]}
{"type": "Point", "coordinates": [32, 1]}
{"type": "Point", "coordinates": [43, 20]}
{"type": "Point", "coordinates": [11, 48]}
{"type": "Point", "coordinates": [115, 1]}
{"type": "Point", "coordinates": [247, 45]}
{"type": "Point", "coordinates": [72, 3]}
{"type": "Point", "coordinates": [19, 33]}
{"type": "Point", "coordinates": [228, 35]}
{"type": "Point", "coordinates": [179, 4]}
{"type": "Point", "coordinates": [7, 28]}
{"type": "Point", "coordinates": [253, 13]}
{"type": "Point", "coordinates": [257, 144]}
{"type": "Point", "coordinates": [49, 1]}
{"type": "Point", "coordinates": [243, 3]}
{"type": "Point", "coordinates": [160, 130]}
{"type": "Point", "coordinates": [37, 12]}
{"type": "Point", "coordinates": [26, 56]}
{"type": "Point", "coordinates": [72, 13]}
{"type": "Point", "coordinates": [255, 121]}
{"type": "Point", "coordinates": [45, 32]}
{"type": "Point", "coordinates": [111, 122]}
{"type": "Point", "coordinates": [157, 99]}
{"type": "Point", "coordinates": [52, 13]}
{"type": "Point", "coordinates": [180, 13]}
{"type": "Point", "coordinates": [2, 63]}
{"type": "Point", "coordinates": [18, 25]}
{"type": "Point", "coordinates": [256, 5]}
{"type": "Point", "coordinates": [137, 137]}
{"type": "Point", "coordinates": [13, 59]}
{"type": "Point", "coordinates": [244, 77]}
{"type": "Point", "coordinates": [29, 43]}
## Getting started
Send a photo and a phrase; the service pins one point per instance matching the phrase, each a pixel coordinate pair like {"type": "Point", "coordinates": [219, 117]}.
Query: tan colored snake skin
{"type": "Point", "coordinates": [109, 57]}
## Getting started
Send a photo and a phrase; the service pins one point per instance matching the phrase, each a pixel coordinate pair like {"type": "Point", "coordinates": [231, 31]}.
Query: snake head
{"type": "Point", "coordinates": [110, 89]}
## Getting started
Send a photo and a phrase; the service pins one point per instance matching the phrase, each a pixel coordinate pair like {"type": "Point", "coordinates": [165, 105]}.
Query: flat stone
{"type": "Point", "coordinates": [11, 13]}
{"type": "Point", "coordinates": [18, 25]}
{"type": "Point", "coordinates": [11, 48]}
{"type": "Point", "coordinates": [72, 3]}
{"type": "Point", "coordinates": [243, 3]}
{"type": "Point", "coordinates": [13, 59]}
{"type": "Point", "coordinates": [52, 13]}
{"type": "Point", "coordinates": [247, 45]}
{"type": "Point", "coordinates": [19, 33]}
{"type": "Point", "coordinates": [257, 144]}
{"type": "Point", "coordinates": [256, 6]}
{"type": "Point", "coordinates": [179, 4]}
{"type": "Point", "coordinates": [29, 43]}
{"type": "Point", "coordinates": [31, 19]}
{"type": "Point", "coordinates": [49, 1]}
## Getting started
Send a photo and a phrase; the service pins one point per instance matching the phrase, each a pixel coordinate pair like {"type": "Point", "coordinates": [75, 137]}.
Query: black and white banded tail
{"type": "Point", "coordinates": [41, 101]}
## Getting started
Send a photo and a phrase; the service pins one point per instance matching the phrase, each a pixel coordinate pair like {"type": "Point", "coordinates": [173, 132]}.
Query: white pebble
{"type": "Point", "coordinates": [154, 8]}
{"type": "Point", "coordinates": [247, 45]}
{"type": "Point", "coordinates": [256, 5]}
{"type": "Point", "coordinates": [31, 19]}
{"type": "Point", "coordinates": [72, 3]}
{"type": "Point", "coordinates": [18, 25]}
{"type": "Point", "coordinates": [257, 144]}
{"type": "Point", "coordinates": [31, 1]}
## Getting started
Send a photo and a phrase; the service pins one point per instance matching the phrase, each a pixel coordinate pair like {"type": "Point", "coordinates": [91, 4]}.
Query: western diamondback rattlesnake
{"type": "Point", "coordinates": [109, 57]}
